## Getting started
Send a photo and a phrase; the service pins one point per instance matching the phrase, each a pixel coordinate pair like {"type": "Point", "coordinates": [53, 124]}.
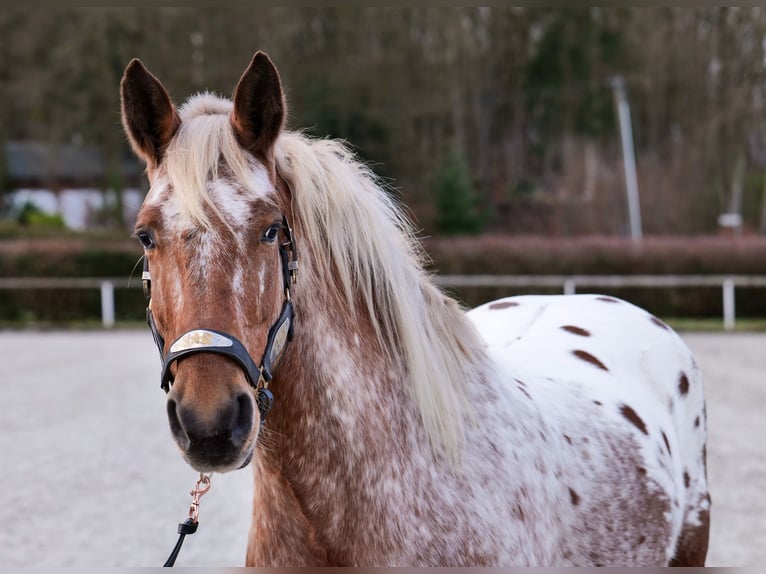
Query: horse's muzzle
{"type": "Point", "coordinates": [219, 443]}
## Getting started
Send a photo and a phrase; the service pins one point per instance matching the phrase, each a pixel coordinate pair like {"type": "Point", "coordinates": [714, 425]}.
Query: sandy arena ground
{"type": "Point", "coordinates": [90, 476]}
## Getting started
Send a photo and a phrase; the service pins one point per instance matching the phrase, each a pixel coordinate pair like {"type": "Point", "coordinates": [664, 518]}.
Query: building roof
{"type": "Point", "coordinates": [38, 161]}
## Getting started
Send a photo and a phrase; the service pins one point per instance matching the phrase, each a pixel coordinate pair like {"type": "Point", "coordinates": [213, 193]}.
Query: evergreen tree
{"type": "Point", "coordinates": [457, 203]}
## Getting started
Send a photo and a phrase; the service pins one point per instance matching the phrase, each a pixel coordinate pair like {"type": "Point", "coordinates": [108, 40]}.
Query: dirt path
{"type": "Point", "coordinates": [734, 367]}
{"type": "Point", "coordinates": [90, 475]}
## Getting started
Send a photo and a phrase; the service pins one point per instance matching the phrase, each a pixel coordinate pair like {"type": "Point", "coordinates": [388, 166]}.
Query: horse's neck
{"type": "Point", "coordinates": [342, 418]}
{"type": "Point", "coordinates": [338, 387]}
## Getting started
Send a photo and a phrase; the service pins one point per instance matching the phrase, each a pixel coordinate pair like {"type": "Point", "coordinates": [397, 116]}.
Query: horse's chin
{"type": "Point", "coordinates": [248, 459]}
{"type": "Point", "coordinates": [219, 467]}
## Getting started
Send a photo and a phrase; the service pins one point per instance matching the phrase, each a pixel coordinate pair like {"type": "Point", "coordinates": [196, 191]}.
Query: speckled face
{"type": "Point", "coordinates": [226, 278]}
{"type": "Point", "coordinates": [210, 226]}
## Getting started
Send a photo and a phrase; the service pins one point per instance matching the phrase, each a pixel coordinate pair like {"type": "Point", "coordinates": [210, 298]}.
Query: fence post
{"type": "Point", "coordinates": [107, 303]}
{"type": "Point", "coordinates": [569, 286]}
{"type": "Point", "coordinates": [728, 304]}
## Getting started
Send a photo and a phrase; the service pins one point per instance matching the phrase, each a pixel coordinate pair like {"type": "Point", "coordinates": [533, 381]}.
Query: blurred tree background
{"type": "Point", "coordinates": [506, 112]}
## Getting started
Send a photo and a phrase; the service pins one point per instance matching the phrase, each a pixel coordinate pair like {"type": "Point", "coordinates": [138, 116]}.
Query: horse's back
{"type": "Point", "coordinates": [619, 367]}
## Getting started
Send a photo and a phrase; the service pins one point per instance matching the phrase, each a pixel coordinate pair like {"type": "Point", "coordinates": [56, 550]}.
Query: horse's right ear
{"type": "Point", "coordinates": [148, 116]}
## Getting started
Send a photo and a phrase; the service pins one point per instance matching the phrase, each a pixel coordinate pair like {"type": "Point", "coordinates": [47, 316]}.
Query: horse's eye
{"type": "Point", "coordinates": [145, 239]}
{"type": "Point", "coordinates": [271, 234]}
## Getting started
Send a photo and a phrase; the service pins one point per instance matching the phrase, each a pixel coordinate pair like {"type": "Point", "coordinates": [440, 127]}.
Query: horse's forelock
{"type": "Point", "coordinates": [195, 155]}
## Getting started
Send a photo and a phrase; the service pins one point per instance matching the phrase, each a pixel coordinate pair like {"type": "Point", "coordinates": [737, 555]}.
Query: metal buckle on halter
{"type": "Point", "coordinates": [146, 280]}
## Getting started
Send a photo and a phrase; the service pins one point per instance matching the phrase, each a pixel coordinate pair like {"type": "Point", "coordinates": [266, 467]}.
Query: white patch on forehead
{"type": "Point", "coordinates": [159, 196]}
{"type": "Point", "coordinates": [156, 192]}
{"type": "Point", "coordinates": [259, 181]}
{"type": "Point", "coordinates": [234, 201]}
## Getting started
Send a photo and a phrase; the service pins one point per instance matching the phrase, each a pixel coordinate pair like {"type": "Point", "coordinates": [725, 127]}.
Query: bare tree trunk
{"type": "Point", "coordinates": [737, 185]}
{"type": "Point", "coordinates": [591, 170]}
{"type": "Point", "coordinates": [762, 224]}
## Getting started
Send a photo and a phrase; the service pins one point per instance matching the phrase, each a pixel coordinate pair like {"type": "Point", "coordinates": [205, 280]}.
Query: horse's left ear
{"type": "Point", "coordinates": [259, 106]}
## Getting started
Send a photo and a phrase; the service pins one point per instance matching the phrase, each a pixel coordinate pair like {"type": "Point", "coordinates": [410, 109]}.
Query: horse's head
{"type": "Point", "coordinates": [217, 248]}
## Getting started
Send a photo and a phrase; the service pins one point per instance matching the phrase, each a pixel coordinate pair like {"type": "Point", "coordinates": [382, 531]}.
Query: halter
{"type": "Point", "coordinates": [221, 343]}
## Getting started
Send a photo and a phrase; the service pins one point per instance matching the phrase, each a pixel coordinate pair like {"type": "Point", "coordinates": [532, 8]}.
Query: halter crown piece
{"type": "Point", "coordinates": [212, 341]}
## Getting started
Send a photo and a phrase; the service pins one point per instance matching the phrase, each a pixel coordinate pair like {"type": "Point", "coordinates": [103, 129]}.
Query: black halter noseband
{"type": "Point", "coordinates": [212, 341]}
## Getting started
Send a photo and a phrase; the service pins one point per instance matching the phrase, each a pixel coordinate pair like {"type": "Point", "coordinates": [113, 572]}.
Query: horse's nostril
{"type": "Point", "coordinates": [230, 428]}
{"type": "Point", "coordinates": [176, 427]}
{"type": "Point", "coordinates": [243, 422]}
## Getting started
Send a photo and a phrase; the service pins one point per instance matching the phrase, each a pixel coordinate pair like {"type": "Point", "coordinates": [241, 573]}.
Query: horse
{"type": "Point", "coordinates": [302, 334]}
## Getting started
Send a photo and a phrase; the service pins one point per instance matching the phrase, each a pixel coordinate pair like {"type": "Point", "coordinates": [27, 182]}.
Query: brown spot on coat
{"type": "Point", "coordinates": [568, 439]}
{"type": "Point", "coordinates": [659, 323]}
{"type": "Point", "coordinates": [633, 417]}
{"type": "Point", "coordinates": [576, 330]}
{"type": "Point", "coordinates": [667, 444]}
{"type": "Point", "coordinates": [696, 422]}
{"type": "Point", "coordinates": [574, 497]}
{"type": "Point", "coordinates": [607, 299]}
{"type": "Point", "coordinates": [683, 384]}
{"type": "Point", "coordinates": [523, 390]}
{"type": "Point", "coordinates": [599, 403]}
{"type": "Point", "coordinates": [503, 305]}
{"type": "Point", "coordinates": [687, 480]}
{"type": "Point", "coordinates": [585, 356]}
{"type": "Point", "coordinates": [691, 549]}
{"type": "Point", "coordinates": [595, 559]}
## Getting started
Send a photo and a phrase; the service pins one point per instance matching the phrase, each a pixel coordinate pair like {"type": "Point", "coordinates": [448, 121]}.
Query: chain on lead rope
{"type": "Point", "coordinates": [192, 522]}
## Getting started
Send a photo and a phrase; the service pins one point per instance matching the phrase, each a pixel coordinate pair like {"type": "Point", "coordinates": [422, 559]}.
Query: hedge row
{"type": "Point", "coordinates": [597, 255]}
{"type": "Point", "coordinates": [68, 257]}
{"type": "Point", "coordinates": [498, 255]}
{"type": "Point", "coordinates": [476, 255]}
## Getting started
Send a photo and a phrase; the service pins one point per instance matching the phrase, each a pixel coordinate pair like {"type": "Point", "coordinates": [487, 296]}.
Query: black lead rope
{"type": "Point", "coordinates": [184, 528]}
{"type": "Point", "coordinates": [192, 523]}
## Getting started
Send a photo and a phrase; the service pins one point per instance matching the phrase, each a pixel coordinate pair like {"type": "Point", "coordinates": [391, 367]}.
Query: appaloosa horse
{"type": "Point", "coordinates": [564, 430]}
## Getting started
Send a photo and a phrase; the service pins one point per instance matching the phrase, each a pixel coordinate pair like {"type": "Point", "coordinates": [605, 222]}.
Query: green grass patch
{"type": "Point", "coordinates": [73, 325]}
{"type": "Point", "coordinates": [696, 325]}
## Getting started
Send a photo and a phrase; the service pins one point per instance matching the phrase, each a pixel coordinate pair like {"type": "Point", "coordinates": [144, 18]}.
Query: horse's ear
{"type": "Point", "coordinates": [148, 116]}
{"type": "Point", "coordinates": [259, 106]}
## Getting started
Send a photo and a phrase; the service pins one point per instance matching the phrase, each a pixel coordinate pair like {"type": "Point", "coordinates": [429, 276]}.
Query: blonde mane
{"type": "Point", "coordinates": [343, 211]}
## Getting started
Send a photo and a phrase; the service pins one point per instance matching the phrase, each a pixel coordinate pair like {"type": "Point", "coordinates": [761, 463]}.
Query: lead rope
{"type": "Point", "coordinates": [192, 523]}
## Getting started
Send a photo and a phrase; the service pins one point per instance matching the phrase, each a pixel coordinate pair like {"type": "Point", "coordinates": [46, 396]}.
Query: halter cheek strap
{"type": "Point", "coordinates": [218, 342]}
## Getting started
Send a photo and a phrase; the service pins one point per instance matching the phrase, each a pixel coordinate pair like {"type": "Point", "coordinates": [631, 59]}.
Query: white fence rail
{"type": "Point", "coordinates": [570, 283]}
{"type": "Point", "coordinates": [106, 286]}
{"type": "Point", "coordinates": [567, 283]}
